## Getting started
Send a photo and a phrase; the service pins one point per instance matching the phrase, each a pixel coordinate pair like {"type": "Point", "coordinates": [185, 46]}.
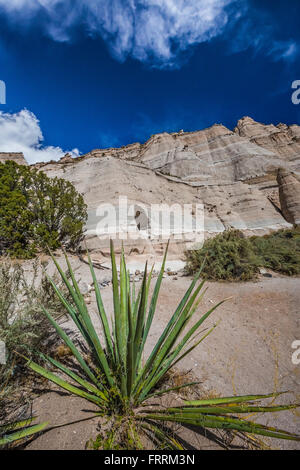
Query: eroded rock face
{"type": "Point", "coordinates": [283, 140]}
{"type": "Point", "coordinates": [208, 157]}
{"type": "Point", "coordinates": [232, 174]}
{"type": "Point", "coordinates": [17, 157]}
{"type": "Point", "coordinates": [289, 195]}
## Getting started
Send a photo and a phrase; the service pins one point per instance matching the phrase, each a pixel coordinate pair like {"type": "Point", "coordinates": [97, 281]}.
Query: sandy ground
{"type": "Point", "coordinates": [250, 351]}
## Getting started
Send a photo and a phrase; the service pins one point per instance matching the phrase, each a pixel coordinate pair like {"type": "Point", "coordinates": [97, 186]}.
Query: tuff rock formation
{"type": "Point", "coordinates": [289, 196]}
{"type": "Point", "coordinates": [282, 140]}
{"type": "Point", "coordinates": [17, 157]}
{"type": "Point", "coordinates": [233, 174]}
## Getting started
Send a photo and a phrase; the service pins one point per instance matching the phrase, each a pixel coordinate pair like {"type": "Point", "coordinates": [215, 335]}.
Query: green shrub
{"type": "Point", "coordinates": [231, 256]}
{"type": "Point", "coordinates": [37, 211]}
{"type": "Point", "coordinates": [279, 251]}
{"type": "Point", "coordinates": [124, 384]}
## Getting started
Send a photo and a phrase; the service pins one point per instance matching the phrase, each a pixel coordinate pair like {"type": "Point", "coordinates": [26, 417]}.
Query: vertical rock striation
{"type": "Point", "coordinates": [289, 195]}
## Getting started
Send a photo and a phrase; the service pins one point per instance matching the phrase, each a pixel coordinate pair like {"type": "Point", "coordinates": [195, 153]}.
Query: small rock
{"type": "Point", "coordinates": [137, 272]}
{"type": "Point", "coordinates": [265, 273]}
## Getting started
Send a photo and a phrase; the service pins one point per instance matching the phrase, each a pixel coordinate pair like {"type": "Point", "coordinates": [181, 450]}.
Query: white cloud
{"type": "Point", "coordinates": [253, 30]}
{"type": "Point", "coordinates": [284, 50]}
{"type": "Point", "coordinates": [155, 31]}
{"type": "Point", "coordinates": [149, 30]}
{"type": "Point", "coordinates": [20, 132]}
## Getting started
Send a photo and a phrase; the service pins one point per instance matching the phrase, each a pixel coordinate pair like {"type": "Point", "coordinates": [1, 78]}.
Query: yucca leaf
{"type": "Point", "coordinates": [88, 386]}
{"type": "Point", "coordinates": [235, 399]}
{"type": "Point", "coordinates": [163, 363]}
{"type": "Point", "coordinates": [65, 280]}
{"type": "Point", "coordinates": [70, 310]}
{"type": "Point", "coordinates": [170, 324]}
{"type": "Point", "coordinates": [72, 347]}
{"type": "Point", "coordinates": [140, 322]}
{"type": "Point", "coordinates": [23, 433]}
{"type": "Point", "coordinates": [16, 425]}
{"type": "Point", "coordinates": [161, 436]}
{"type": "Point", "coordinates": [133, 296]}
{"type": "Point", "coordinates": [220, 422]}
{"type": "Point", "coordinates": [74, 282]}
{"type": "Point", "coordinates": [93, 337]}
{"type": "Point", "coordinates": [63, 384]}
{"type": "Point", "coordinates": [172, 389]}
{"type": "Point", "coordinates": [130, 350]}
{"type": "Point", "coordinates": [82, 315]}
{"type": "Point", "coordinates": [117, 326]}
{"type": "Point", "coordinates": [123, 307]}
{"type": "Point", "coordinates": [167, 338]}
{"type": "Point", "coordinates": [174, 362]}
{"type": "Point", "coordinates": [101, 311]}
{"type": "Point", "coordinates": [154, 298]}
{"type": "Point", "coordinates": [221, 410]}
{"type": "Point", "coordinates": [168, 365]}
{"type": "Point", "coordinates": [123, 326]}
{"type": "Point", "coordinates": [188, 335]}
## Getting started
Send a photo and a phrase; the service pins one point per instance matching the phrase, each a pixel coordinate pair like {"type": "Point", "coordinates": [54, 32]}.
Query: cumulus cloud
{"type": "Point", "coordinates": [21, 132]}
{"type": "Point", "coordinates": [153, 31]}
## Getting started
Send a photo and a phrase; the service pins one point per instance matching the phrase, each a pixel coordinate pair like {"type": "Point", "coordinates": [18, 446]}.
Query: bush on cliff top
{"type": "Point", "coordinates": [230, 256]}
{"type": "Point", "coordinates": [37, 211]}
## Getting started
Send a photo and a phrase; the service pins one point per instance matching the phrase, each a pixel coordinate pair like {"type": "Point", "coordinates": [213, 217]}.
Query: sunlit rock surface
{"type": "Point", "coordinates": [232, 174]}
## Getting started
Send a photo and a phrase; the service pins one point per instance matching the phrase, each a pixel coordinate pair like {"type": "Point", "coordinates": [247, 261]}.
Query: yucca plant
{"type": "Point", "coordinates": [18, 431]}
{"type": "Point", "coordinates": [122, 383]}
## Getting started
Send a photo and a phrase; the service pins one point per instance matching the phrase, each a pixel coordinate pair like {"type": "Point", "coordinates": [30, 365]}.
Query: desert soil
{"type": "Point", "coordinates": [250, 351]}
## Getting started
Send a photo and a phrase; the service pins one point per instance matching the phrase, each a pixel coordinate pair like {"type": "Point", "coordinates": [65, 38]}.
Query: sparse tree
{"type": "Point", "coordinates": [37, 211]}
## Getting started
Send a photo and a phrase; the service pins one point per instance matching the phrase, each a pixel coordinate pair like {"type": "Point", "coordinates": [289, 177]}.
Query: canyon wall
{"type": "Point", "coordinates": [246, 179]}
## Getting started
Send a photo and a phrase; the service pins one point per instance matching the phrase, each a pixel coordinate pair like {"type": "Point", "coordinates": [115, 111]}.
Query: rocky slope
{"type": "Point", "coordinates": [232, 173]}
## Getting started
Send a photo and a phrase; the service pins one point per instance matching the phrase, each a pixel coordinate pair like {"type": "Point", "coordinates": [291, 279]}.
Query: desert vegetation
{"type": "Point", "coordinates": [23, 325]}
{"type": "Point", "coordinates": [124, 385]}
{"type": "Point", "coordinates": [37, 212]}
{"type": "Point", "coordinates": [231, 256]}
{"type": "Point", "coordinates": [24, 329]}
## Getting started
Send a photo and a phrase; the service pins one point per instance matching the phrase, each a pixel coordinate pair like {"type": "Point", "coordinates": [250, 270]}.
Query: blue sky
{"type": "Point", "coordinates": [84, 74]}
